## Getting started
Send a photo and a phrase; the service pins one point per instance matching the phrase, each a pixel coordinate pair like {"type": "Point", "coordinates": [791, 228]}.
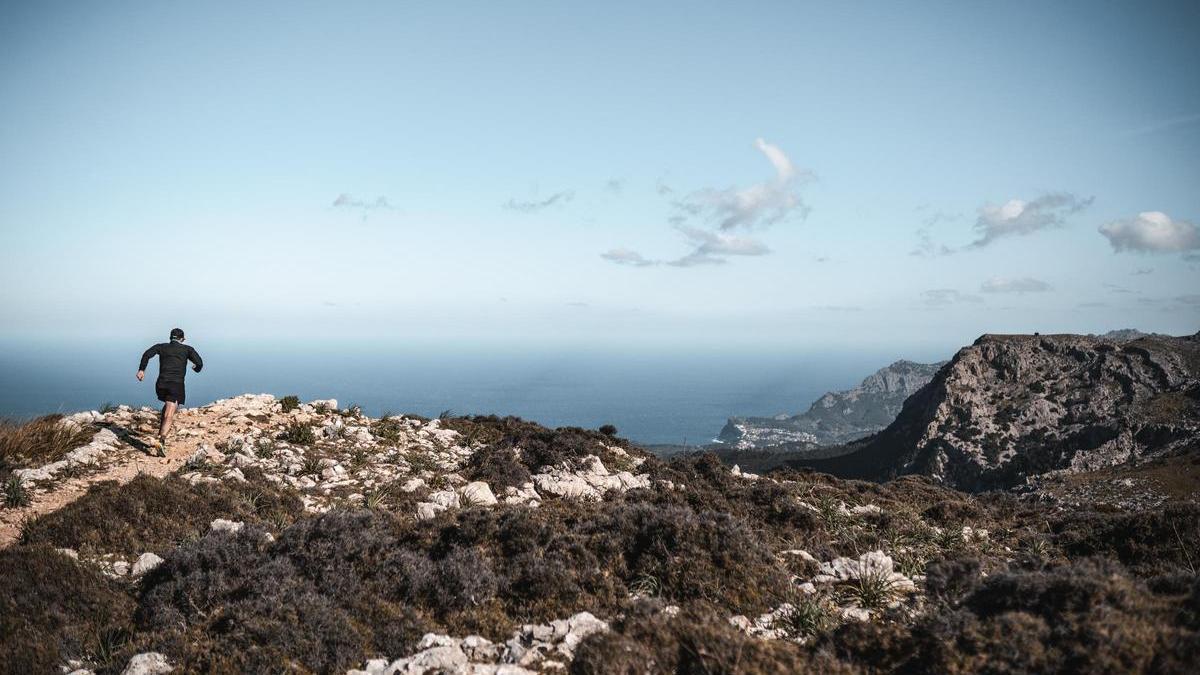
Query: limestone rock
{"type": "Point", "coordinates": [478, 493]}
{"type": "Point", "coordinates": [148, 663]}
{"type": "Point", "coordinates": [145, 563]}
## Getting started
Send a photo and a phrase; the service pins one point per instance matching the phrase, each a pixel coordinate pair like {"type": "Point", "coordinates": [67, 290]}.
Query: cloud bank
{"type": "Point", "coordinates": [1151, 232]}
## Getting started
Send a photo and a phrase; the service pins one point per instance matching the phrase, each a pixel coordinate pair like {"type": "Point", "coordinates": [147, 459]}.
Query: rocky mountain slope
{"type": "Point", "coordinates": [1011, 407]}
{"type": "Point", "coordinates": [305, 538]}
{"type": "Point", "coordinates": [837, 417]}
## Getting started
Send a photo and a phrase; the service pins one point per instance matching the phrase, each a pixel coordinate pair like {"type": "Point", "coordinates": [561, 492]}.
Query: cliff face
{"type": "Point", "coordinates": [1010, 407]}
{"type": "Point", "coordinates": [836, 417]}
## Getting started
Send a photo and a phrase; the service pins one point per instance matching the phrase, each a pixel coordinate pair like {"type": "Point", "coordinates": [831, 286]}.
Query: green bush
{"type": "Point", "coordinates": [298, 433]}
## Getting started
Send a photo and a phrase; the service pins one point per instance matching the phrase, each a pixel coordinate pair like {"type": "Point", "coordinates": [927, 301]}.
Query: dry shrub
{"type": "Point", "coordinates": [698, 640]}
{"type": "Point", "coordinates": [39, 442]}
{"type": "Point", "coordinates": [1149, 542]}
{"type": "Point", "coordinates": [1085, 617]}
{"type": "Point", "coordinates": [153, 514]}
{"type": "Point", "coordinates": [237, 601]}
{"type": "Point", "coordinates": [511, 448]}
{"type": "Point", "coordinates": [52, 609]}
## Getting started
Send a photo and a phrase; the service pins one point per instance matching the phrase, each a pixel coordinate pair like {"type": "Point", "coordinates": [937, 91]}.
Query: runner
{"type": "Point", "coordinates": [173, 358]}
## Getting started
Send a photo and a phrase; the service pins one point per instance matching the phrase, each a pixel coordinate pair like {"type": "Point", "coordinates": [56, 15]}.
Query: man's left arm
{"type": "Point", "coordinates": [194, 357]}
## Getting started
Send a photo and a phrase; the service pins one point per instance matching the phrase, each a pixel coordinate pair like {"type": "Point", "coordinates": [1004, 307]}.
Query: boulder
{"type": "Point", "coordinates": [148, 663]}
{"type": "Point", "coordinates": [146, 562]}
{"type": "Point", "coordinates": [222, 525]}
{"type": "Point", "coordinates": [478, 493]}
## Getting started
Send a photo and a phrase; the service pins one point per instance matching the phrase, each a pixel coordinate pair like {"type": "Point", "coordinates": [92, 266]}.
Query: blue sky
{"type": "Point", "coordinates": [741, 175]}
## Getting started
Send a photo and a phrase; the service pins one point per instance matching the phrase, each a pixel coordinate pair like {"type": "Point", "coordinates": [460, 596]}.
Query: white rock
{"type": "Point", "coordinates": [146, 562]}
{"type": "Point", "coordinates": [432, 660]}
{"type": "Point", "coordinates": [120, 568]}
{"type": "Point", "coordinates": [447, 499]}
{"type": "Point", "coordinates": [855, 614]}
{"type": "Point", "coordinates": [428, 510]}
{"type": "Point", "coordinates": [222, 525]}
{"type": "Point", "coordinates": [436, 640]}
{"type": "Point", "coordinates": [149, 663]}
{"type": "Point", "coordinates": [478, 493]}
{"type": "Point", "coordinates": [412, 484]}
{"type": "Point", "coordinates": [479, 648]}
{"type": "Point", "coordinates": [579, 627]}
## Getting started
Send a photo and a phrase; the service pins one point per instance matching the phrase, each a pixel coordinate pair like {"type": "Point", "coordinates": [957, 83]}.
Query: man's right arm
{"type": "Point", "coordinates": [153, 351]}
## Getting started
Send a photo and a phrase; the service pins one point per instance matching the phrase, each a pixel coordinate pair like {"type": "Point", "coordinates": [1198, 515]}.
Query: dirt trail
{"type": "Point", "coordinates": [193, 426]}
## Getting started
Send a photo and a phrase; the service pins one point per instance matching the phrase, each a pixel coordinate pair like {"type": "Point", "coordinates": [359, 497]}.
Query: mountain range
{"type": "Point", "coordinates": [1011, 407]}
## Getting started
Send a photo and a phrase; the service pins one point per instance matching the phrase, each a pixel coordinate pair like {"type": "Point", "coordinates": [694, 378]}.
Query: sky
{"type": "Point", "coordinates": [630, 175]}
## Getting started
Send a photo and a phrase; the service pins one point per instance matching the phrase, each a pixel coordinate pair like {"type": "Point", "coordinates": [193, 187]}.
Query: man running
{"type": "Point", "coordinates": [172, 366]}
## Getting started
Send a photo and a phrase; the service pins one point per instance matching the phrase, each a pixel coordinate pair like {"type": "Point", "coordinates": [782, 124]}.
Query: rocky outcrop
{"type": "Point", "coordinates": [837, 417]}
{"type": "Point", "coordinates": [1010, 407]}
{"type": "Point", "coordinates": [546, 647]}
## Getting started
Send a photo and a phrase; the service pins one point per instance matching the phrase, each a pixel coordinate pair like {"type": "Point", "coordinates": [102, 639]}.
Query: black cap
{"type": "Point", "coordinates": [176, 333]}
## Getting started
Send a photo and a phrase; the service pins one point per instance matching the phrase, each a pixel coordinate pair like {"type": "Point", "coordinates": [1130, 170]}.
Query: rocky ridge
{"type": "Point", "coordinates": [837, 417]}
{"type": "Point", "coordinates": [1010, 408]}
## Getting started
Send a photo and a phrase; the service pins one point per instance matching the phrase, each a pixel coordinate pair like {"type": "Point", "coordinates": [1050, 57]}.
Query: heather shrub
{"type": "Point", "coordinates": [52, 608]}
{"type": "Point", "coordinates": [1150, 542]}
{"type": "Point", "coordinates": [154, 514]}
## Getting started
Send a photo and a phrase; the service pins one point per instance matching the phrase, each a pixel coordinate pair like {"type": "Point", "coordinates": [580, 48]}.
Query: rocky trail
{"type": "Point", "coordinates": [124, 452]}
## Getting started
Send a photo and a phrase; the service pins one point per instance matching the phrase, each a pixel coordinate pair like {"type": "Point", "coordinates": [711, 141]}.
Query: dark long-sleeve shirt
{"type": "Point", "coordinates": [172, 360]}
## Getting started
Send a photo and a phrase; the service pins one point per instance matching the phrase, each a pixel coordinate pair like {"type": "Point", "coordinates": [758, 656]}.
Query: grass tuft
{"type": "Point", "coordinates": [40, 441]}
{"type": "Point", "coordinates": [15, 494]}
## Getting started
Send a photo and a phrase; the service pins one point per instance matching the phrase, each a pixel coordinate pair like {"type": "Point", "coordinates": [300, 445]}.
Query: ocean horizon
{"type": "Point", "coordinates": [652, 396]}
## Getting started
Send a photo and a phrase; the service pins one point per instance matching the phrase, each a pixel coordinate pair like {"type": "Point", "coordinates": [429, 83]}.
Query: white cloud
{"type": "Point", "coordinates": [536, 205]}
{"type": "Point", "coordinates": [710, 248]}
{"type": "Point", "coordinates": [625, 256]}
{"type": "Point", "coordinates": [1151, 232]}
{"type": "Point", "coordinates": [761, 204]}
{"type": "Point", "coordinates": [926, 247]}
{"type": "Point", "coordinates": [719, 243]}
{"type": "Point", "coordinates": [1022, 285]}
{"type": "Point", "coordinates": [1019, 217]}
{"type": "Point", "coordinates": [347, 201]}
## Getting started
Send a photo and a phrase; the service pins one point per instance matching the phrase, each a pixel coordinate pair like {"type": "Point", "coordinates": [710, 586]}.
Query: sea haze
{"type": "Point", "coordinates": [651, 396]}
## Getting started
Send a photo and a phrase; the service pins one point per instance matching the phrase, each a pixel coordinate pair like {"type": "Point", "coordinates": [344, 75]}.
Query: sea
{"type": "Point", "coordinates": [653, 396]}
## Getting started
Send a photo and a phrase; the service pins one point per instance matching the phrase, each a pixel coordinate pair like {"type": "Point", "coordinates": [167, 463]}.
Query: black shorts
{"type": "Point", "coordinates": [169, 391]}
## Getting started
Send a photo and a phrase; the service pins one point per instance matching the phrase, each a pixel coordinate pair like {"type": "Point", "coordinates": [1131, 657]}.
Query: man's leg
{"type": "Point", "coordinates": [168, 416]}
